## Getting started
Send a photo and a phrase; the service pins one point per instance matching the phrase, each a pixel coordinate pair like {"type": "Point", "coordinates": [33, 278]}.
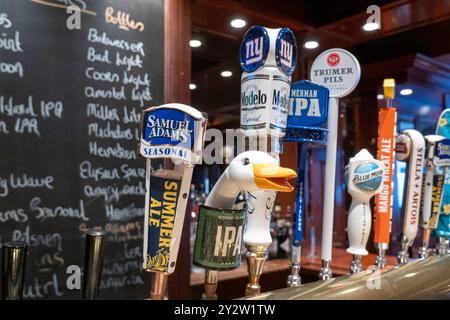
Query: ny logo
{"type": "Point", "coordinates": [286, 53]}
{"type": "Point", "coordinates": [254, 50]}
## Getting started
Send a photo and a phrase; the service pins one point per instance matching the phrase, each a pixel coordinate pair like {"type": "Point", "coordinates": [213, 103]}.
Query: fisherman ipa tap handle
{"type": "Point", "coordinates": [410, 147]}
{"type": "Point", "coordinates": [364, 180]}
{"type": "Point", "coordinates": [308, 111]}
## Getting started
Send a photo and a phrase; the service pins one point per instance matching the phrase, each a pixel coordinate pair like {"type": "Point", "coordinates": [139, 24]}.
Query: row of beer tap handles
{"type": "Point", "coordinates": [272, 111]}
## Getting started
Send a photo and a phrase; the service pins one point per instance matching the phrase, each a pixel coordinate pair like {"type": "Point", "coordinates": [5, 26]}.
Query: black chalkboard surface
{"type": "Point", "coordinates": [70, 102]}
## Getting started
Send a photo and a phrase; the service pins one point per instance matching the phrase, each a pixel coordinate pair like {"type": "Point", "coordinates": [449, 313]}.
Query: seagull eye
{"type": "Point", "coordinates": [246, 161]}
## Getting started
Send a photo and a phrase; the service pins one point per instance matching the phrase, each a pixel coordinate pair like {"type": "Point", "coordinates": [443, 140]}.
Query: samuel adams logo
{"type": "Point", "coordinates": [254, 48]}
{"type": "Point", "coordinates": [333, 59]}
{"type": "Point", "coordinates": [286, 51]}
{"type": "Point", "coordinates": [169, 126]}
{"type": "Point", "coordinates": [167, 133]}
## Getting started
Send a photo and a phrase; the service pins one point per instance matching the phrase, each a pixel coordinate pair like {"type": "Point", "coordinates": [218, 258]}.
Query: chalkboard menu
{"type": "Point", "coordinates": [74, 76]}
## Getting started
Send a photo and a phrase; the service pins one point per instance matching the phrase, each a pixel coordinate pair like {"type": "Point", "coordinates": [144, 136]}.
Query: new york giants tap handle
{"type": "Point", "coordinates": [172, 137]}
{"type": "Point", "coordinates": [308, 111]}
{"type": "Point", "coordinates": [268, 58]}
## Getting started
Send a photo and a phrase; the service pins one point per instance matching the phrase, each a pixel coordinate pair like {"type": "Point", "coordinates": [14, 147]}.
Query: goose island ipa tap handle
{"type": "Point", "coordinates": [339, 71]}
{"type": "Point", "coordinates": [93, 264]}
{"type": "Point", "coordinates": [172, 138]}
{"type": "Point", "coordinates": [268, 58]}
{"type": "Point", "coordinates": [410, 147]}
{"type": "Point", "coordinates": [219, 231]}
{"type": "Point", "coordinates": [308, 111]}
{"type": "Point", "coordinates": [387, 121]}
{"type": "Point", "coordinates": [364, 179]}
{"type": "Point", "coordinates": [14, 256]}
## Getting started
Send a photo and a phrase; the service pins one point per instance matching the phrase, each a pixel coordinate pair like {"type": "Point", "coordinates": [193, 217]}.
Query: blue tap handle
{"type": "Point", "coordinates": [443, 227]}
{"type": "Point", "coordinates": [299, 210]}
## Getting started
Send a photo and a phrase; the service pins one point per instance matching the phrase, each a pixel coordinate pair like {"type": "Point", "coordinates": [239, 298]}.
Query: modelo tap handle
{"type": "Point", "coordinates": [364, 180]}
{"type": "Point", "coordinates": [13, 271]}
{"type": "Point", "coordinates": [93, 264]}
{"type": "Point", "coordinates": [410, 147]}
{"type": "Point", "coordinates": [268, 58]}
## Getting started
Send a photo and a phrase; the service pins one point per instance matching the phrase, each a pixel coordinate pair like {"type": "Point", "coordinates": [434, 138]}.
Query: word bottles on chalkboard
{"type": "Point", "coordinates": [74, 77]}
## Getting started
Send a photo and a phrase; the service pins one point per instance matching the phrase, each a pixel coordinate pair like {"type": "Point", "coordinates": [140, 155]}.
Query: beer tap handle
{"type": "Point", "coordinates": [93, 264]}
{"type": "Point", "coordinates": [13, 271]}
{"type": "Point", "coordinates": [364, 179]}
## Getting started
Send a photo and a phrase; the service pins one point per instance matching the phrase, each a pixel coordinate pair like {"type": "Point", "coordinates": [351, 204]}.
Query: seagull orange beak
{"type": "Point", "coordinates": [268, 176]}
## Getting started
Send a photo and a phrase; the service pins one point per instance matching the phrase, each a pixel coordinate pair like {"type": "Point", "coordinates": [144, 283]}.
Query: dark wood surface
{"type": "Point", "coordinates": [176, 84]}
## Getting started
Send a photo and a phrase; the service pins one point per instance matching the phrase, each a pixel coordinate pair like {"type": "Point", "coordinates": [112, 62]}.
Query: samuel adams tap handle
{"type": "Point", "coordinates": [13, 275]}
{"type": "Point", "coordinates": [93, 264]}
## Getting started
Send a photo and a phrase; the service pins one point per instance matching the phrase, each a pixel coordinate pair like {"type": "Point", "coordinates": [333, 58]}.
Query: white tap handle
{"type": "Point", "coordinates": [411, 147]}
{"type": "Point", "coordinates": [359, 222]}
{"type": "Point", "coordinates": [365, 177]}
{"type": "Point", "coordinates": [260, 205]}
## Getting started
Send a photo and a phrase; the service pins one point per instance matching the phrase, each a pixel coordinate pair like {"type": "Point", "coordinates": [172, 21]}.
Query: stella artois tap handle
{"type": "Point", "coordinates": [308, 111]}
{"type": "Point", "coordinates": [172, 138]}
{"type": "Point", "coordinates": [410, 147]}
{"type": "Point", "coordinates": [268, 58]}
{"type": "Point", "coordinates": [339, 71]}
{"type": "Point", "coordinates": [220, 228]}
{"type": "Point", "coordinates": [364, 180]}
{"type": "Point", "coordinates": [387, 122]}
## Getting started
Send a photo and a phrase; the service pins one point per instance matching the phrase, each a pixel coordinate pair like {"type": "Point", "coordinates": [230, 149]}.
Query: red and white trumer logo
{"type": "Point", "coordinates": [333, 59]}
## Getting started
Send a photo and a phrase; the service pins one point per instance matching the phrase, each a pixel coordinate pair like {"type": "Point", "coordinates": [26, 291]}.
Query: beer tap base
{"type": "Point", "coordinates": [159, 284]}
{"type": "Point", "coordinates": [294, 279]}
{"type": "Point", "coordinates": [403, 257]}
{"type": "Point", "coordinates": [423, 252]}
{"type": "Point", "coordinates": [210, 286]}
{"type": "Point", "coordinates": [380, 260]}
{"type": "Point", "coordinates": [442, 246]}
{"type": "Point", "coordinates": [356, 265]}
{"type": "Point", "coordinates": [256, 255]}
{"type": "Point", "coordinates": [325, 271]}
